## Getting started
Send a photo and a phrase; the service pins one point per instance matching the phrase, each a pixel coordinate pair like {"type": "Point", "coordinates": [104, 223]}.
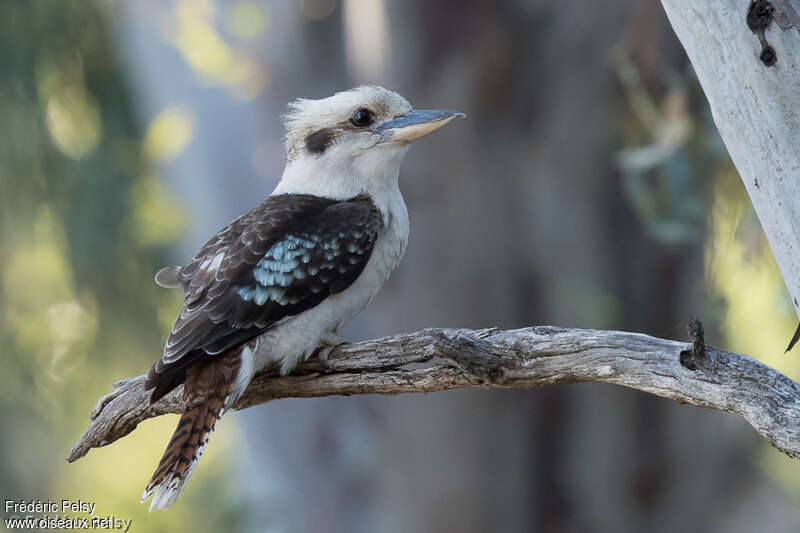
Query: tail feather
{"type": "Point", "coordinates": [183, 451]}
{"type": "Point", "coordinates": [210, 387]}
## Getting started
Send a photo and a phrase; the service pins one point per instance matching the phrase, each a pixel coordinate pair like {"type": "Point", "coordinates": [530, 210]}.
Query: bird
{"type": "Point", "coordinates": [276, 285]}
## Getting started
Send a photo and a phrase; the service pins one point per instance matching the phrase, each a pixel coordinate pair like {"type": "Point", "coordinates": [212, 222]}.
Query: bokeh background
{"type": "Point", "coordinates": [587, 188]}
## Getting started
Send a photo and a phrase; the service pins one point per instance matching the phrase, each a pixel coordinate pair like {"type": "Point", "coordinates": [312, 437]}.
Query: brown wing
{"type": "Point", "coordinates": [285, 256]}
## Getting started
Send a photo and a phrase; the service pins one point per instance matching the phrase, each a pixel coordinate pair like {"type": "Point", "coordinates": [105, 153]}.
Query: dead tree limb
{"type": "Point", "coordinates": [443, 359]}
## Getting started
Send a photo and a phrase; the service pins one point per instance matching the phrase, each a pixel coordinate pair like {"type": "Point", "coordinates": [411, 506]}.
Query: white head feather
{"type": "Point", "coordinates": [352, 161]}
{"type": "Point", "coordinates": [305, 116]}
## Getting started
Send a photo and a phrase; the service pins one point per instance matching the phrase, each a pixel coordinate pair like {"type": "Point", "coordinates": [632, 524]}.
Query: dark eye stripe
{"type": "Point", "coordinates": [319, 141]}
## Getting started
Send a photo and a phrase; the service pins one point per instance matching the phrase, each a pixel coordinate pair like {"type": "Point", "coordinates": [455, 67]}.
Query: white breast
{"type": "Point", "coordinates": [296, 338]}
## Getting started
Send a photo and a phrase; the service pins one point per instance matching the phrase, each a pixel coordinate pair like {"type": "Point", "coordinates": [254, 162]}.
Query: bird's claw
{"type": "Point", "coordinates": [328, 342]}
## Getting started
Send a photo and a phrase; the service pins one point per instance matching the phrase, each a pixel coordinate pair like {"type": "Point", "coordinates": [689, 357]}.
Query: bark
{"type": "Point", "coordinates": [443, 359]}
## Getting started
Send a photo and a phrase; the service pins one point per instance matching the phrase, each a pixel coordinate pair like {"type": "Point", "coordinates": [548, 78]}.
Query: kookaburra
{"type": "Point", "coordinates": [278, 283]}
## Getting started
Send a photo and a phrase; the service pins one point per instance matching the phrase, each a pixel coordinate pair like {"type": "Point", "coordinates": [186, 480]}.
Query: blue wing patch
{"type": "Point", "coordinates": [281, 265]}
{"type": "Point", "coordinates": [308, 260]}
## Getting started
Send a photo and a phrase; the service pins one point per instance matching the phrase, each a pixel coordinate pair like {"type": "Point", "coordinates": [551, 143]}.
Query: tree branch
{"type": "Point", "coordinates": [443, 359]}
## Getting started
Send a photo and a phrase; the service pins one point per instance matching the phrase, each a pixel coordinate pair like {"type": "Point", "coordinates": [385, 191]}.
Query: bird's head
{"type": "Point", "coordinates": [353, 139]}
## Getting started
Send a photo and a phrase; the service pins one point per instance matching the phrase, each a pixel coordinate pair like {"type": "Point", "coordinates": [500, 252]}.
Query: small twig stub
{"type": "Point", "coordinates": [690, 359]}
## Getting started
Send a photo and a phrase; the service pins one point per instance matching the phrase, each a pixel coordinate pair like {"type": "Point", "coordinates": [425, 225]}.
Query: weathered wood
{"type": "Point", "coordinates": [443, 359]}
{"type": "Point", "coordinates": [754, 93]}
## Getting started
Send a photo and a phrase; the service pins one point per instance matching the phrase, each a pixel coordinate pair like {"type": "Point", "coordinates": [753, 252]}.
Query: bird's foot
{"type": "Point", "coordinates": [328, 342]}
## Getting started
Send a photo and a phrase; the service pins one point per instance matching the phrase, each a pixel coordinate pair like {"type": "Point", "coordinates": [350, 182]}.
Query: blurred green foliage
{"type": "Point", "coordinates": [85, 223]}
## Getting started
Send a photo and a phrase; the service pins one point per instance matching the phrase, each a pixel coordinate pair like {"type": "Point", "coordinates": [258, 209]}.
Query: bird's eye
{"type": "Point", "coordinates": [361, 117]}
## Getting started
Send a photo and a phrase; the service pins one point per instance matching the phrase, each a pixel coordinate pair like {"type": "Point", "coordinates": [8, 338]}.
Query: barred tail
{"type": "Point", "coordinates": [209, 388]}
{"type": "Point", "coordinates": [183, 451]}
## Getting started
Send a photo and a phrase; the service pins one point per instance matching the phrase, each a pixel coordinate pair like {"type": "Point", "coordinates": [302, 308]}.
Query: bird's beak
{"type": "Point", "coordinates": [415, 124]}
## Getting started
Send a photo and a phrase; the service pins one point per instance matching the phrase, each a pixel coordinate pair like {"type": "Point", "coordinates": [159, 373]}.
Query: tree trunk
{"type": "Point", "coordinates": [746, 57]}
